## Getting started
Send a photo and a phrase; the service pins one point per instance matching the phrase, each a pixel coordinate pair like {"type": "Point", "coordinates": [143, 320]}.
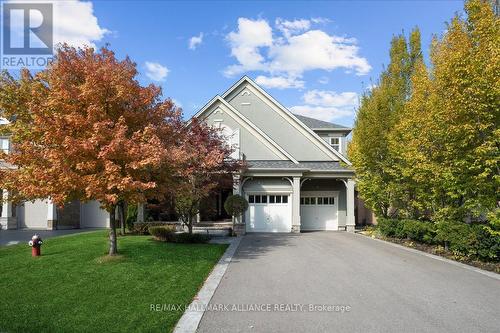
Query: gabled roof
{"type": "Point", "coordinates": [244, 121]}
{"type": "Point", "coordinates": [316, 124]}
{"type": "Point", "coordinates": [289, 117]}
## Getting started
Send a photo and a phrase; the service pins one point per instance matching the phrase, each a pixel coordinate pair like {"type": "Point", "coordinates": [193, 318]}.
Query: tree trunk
{"type": "Point", "coordinates": [113, 249]}
{"type": "Point", "coordinates": [121, 211]}
{"type": "Point", "coordinates": [190, 225]}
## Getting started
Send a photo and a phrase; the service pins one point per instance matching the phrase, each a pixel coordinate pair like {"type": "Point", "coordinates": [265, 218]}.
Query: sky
{"type": "Point", "coordinates": [315, 57]}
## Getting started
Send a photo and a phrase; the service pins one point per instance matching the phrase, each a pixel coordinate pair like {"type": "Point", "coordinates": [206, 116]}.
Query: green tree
{"type": "Point", "coordinates": [378, 185]}
{"type": "Point", "coordinates": [448, 137]}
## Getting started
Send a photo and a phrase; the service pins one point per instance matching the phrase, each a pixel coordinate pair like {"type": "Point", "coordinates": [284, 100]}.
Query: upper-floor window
{"type": "Point", "coordinates": [335, 143]}
{"type": "Point", "coordinates": [4, 144]}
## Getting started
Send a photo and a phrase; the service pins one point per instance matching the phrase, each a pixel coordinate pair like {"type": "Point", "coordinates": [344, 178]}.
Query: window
{"type": "Point", "coordinates": [315, 201]}
{"type": "Point", "coordinates": [272, 199]}
{"type": "Point", "coordinates": [335, 143]}
{"type": "Point", "coordinates": [4, 144]}
{"type": "Point", "coordinates": [257, 199]}
{"type": "Point", "coordinates": [285, 199]}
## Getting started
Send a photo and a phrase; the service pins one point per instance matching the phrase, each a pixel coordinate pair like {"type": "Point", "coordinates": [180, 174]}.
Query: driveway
{"type": "Point", "coordinates": [12, 237]}
{"type": "Point", "coordinates": [387, 288]}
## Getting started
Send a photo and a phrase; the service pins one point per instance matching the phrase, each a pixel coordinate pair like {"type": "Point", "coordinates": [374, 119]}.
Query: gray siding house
{"type": "Point", "coordinates": [298, 177]}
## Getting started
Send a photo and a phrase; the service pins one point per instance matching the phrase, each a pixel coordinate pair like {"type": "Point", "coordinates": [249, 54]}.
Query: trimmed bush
{"type": "Point", "coordinates": [488, 243]}
{"type": "Point", "coordinates": [464, 240]}
{"type": "Point", "coordinates": [388, 227]}
{"type": "Point", "coordinates": [163, 233]}
{"type": "Point", "coordinates": [456, 236]}
{"type": "Point", "coordinates": [142, 228]}
{"type": "Point", "coordinates": [418, 230]}
{"type": "Point", "coordinates": [185, 237]}
{"type": "Point", "coordinates": [235, 205]}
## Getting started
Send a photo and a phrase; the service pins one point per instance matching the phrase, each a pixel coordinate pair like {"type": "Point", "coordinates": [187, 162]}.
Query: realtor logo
{"type": "Point", "coordinates": [27, 35]}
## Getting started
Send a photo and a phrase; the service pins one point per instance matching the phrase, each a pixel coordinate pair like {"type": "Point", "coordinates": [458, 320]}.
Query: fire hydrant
{"type": "Point", "coordinates": [35, 243]}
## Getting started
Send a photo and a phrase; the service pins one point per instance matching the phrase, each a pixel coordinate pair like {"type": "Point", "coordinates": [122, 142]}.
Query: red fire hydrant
{"type": "Point", "coordinates": [35, 243]}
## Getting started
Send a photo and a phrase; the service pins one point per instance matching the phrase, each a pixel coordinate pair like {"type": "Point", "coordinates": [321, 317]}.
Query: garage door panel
{"type": "Point", "coordinates": [319, 211]}
{"type": "Point", "coordinates": [267, 213]}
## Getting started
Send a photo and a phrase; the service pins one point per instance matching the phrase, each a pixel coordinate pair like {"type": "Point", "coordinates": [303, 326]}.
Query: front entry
{"type": "Point", "coordinates": [269, 212]}
{"type": "Point", "coordinates": [319, 210]}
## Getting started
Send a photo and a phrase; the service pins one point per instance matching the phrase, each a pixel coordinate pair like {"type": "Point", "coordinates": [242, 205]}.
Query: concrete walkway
{"type": "Point", "coordinates": [12, 237]}
{"type": "Point", "coordinates": [340, 282]}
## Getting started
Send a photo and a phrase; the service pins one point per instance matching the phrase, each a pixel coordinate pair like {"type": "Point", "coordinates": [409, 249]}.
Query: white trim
{"type": "Point", "coordinates": [290, 117]}
{"type": "Point", "coordinates": [248, 125]}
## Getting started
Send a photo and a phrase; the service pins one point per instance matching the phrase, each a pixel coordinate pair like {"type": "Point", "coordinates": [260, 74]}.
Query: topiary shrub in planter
{"type": "Point", "coordinates": [235, 205]}
{"type": "Point", "coordinates": [163, 233]}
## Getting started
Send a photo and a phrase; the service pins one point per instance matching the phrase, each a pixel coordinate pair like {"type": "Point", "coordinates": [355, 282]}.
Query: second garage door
{"type": "Point", "coordinates": [319, 210]}
{"type": "Point", "coordinates": [269, 213]}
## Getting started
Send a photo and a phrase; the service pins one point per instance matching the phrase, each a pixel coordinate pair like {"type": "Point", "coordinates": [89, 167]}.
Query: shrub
{"type": "Point", "coordinates": [388, 227]}
{"type": "Point", "coordinates": [456, 236]}
{"type": "Point", "coordinates": [488, 243]}
{"type": "Point", "coordinates": [163, 233]}
{"type": "Point", "coordinates": [185, 237]}
{"type": "Point", "coordinates": [418, 230]}
{"type": "Point", "coordinates": [464, 240]}
{"type": "Point", "coordinates": [142, 228]}
{"type": "Point", "coordinates": [131, 216]}
{"type": "Point", "coordinates": [235, 205]}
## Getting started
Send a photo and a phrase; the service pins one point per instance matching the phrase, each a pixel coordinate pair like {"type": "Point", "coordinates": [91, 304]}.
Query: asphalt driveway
{"type": "Point", "coordinates": [387, 289]}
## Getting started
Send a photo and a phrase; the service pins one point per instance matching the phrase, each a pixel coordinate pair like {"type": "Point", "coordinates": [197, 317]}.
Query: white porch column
{"type": "Point", "coordinates": [350, 223]}
{"type": "Point", "coordinates": [296, 204]}
{"type": "Point", "coordinates": [237, 184]}
{"type": "Point", "coordinates": [140, 213]}
{"type": "Point", "coordinates": [239, 227]}
{"type": "Point", "coordinates": [7, 221]}
{"type": "Point", "coordinates": [51, 215]}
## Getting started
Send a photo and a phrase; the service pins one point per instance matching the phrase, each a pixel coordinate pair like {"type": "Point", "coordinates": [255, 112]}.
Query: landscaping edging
{"type": "Point", "coordinates": [436, 257]}
{"type": "Point", "coordinates": [192, 316]}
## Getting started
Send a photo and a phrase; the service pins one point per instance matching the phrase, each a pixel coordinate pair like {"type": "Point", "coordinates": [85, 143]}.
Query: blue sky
{"type": "Point", "coordinates": [314, 57]}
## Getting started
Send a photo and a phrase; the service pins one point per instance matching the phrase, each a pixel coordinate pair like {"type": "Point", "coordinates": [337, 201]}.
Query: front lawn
{"type": "Point", "coordinates": [73, 287]}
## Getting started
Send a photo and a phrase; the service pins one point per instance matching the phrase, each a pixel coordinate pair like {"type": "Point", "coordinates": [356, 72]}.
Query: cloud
{"type": "Point", "coordinates": [279, 82]}
{"type": "Point", "coordinates": [330, 98]}
{"type": "Point", "coordinates": [292, 27]}
{"type": "Point", "coordinates": [292, 49]}
{"type": "Point", "coordinates": [74, 22]}
{"type": "Point", "coordinates": [327, 105]}
{"type": "Point", "coordinates": [246, 43]}
{"type": "Point", "coordinates": [195, 41]}
{"type": "Point", "coordinates": [156, 71]}
{"type": "Point", "coordinates": [323, 80]}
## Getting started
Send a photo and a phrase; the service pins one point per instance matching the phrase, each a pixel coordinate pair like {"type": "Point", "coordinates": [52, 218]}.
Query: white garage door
{"type": "Point", "coordinates": [319, 211]}
{"type": "Point", "coordinates": [269, 213]}
{"type": "Point", "coordinates": [32, 215]}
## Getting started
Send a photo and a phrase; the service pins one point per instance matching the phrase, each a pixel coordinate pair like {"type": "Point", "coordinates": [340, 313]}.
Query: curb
{"type": "Point", "coordinates": [492, 275]}
{"type": "Point", "coordinates": [191, 318]}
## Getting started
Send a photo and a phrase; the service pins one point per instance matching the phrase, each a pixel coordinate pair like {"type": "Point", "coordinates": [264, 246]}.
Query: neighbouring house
{"type": "Point", "coordinates": [43, 214]}
{"type": "Point", "coordinates": [297, 178]}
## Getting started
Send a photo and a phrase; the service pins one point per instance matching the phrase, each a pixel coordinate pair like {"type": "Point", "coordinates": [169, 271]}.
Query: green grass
{"type": "Point", "coordinates": [73, 287]}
